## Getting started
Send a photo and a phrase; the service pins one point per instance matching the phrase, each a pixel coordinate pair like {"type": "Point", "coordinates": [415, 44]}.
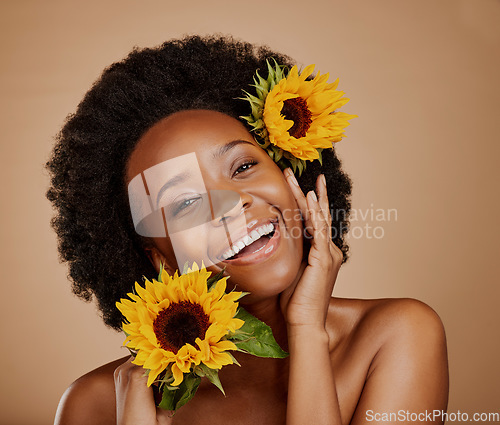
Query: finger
{"type": "Point", "coordinates": [299, 198]}
{"type": "Point", "coordinates": [325, 207]}
{"type": "Point", "coordinates": [321, 240]}
{"type": "Point", "coordinates": [323, 201]}
{"type": "Point", "coordinates": [134, 399]}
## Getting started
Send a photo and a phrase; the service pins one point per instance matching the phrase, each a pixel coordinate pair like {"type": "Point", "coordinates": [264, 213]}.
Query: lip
{"type": "Point", "coordinates": [238, 235]}
{"type": "Point", "coordinates": [265, 252]}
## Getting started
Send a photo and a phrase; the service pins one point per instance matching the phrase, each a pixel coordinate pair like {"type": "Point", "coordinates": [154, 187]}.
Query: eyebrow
{"type": "Point", "coordinates": [179, 178]}
{"type": "Point", "coordinates": [228, 146]}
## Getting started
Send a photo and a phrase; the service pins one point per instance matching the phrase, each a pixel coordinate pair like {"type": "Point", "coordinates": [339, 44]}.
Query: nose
{"type": "Point", "coordinates": [228, 204]}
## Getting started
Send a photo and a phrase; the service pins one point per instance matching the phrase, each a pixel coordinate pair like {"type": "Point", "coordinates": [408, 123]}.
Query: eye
{"type": "Point", "coordinates": [244, 167]}
{"type": "Point", "coordinates": [182, 205]}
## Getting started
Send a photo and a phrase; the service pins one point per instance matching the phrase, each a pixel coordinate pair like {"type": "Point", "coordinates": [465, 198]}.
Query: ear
{"type": "Point", "coordinates": [158, 259]}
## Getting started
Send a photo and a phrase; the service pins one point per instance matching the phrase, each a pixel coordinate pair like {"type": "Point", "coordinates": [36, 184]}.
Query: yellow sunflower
{"type": "Point", "coordinates": [295, 117]}
{"type": "Point", "coordinates": [177, 323]}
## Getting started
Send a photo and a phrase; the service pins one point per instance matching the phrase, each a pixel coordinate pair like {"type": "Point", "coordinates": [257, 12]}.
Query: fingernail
{"type": "Point", "coordinates": [313, 196]}
{"type": "Point", "coordinates": [293, 179]}
{"type": "Point", "coordinates": [323, 179]}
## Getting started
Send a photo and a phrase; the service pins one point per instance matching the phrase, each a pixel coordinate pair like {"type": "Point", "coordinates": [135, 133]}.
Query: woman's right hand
{"type": "Point", "coordinates": [135, 400]}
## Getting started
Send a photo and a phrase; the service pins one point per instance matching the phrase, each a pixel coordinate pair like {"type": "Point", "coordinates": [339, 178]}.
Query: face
{"type": "Point", "coordinates": [200, 157]}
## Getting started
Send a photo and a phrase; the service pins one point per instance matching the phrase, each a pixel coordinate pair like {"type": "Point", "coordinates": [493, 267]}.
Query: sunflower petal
{"type": "Point", "coordinates": [178, 375]}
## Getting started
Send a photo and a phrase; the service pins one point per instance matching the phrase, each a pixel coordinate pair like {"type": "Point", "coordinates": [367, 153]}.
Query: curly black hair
{"type": "Point", "coordinates": [95, 231]}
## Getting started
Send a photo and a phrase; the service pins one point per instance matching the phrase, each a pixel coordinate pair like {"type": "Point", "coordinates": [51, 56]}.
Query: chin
{"type": "Point", "coordinates": [266, 281]}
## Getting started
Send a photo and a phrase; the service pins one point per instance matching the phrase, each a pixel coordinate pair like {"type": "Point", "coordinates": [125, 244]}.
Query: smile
{"type": "Point", "coordinates": [254, 247]}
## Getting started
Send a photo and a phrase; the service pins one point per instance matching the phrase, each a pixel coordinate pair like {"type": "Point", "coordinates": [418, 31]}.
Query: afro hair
{"type": "Point", "coordinates": [87, 166]}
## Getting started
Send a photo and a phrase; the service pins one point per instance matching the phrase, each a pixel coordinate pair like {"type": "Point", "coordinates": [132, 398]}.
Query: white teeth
{"type": "Point", "coordinates": [248, 240]}
{"type": "Point", "coordinates": [254, 235]}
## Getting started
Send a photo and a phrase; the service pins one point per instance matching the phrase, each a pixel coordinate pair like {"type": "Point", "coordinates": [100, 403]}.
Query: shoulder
{"type": "Point", "coordinates": [403, 346]}
{"type": "Point", "coordinates": [410, 334]}
{"type": "Point", "coordinates": [408, 329]}
{"type": "Point", "coordinates": [90, 399]}
{"type": "Point", "coordinates": [401, 318]}
{"type": "Point", "coordinates": [386, 320]}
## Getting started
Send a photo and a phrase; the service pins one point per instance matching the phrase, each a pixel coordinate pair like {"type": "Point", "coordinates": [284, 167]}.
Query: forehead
{"type": "Point", "coordinates": [199, 131]}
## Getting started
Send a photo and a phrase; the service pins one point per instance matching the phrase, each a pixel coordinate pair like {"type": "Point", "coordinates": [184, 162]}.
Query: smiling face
{"type": "Point", "coordinates": [220, 193]}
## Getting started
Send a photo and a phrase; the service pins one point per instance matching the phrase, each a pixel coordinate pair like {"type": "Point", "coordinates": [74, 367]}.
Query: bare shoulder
{"type": "Point", "coordinates": [90, 399]}
{"type": "Point", "coordinates": [397, 347]}
{"type": "Point", "coordinates": [386, 320]}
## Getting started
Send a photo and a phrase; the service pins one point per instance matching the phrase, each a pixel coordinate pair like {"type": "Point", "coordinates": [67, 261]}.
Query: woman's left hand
{"type": "Point", "coordinates": [306, 303]}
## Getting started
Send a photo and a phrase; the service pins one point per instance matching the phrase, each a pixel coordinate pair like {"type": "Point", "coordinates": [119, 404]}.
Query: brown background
{"type": "Point", "coordinates": [423, 78]}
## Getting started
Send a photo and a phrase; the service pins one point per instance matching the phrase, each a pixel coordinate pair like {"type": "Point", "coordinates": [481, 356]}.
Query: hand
{"type": "Point", "coordinates": [134, 399]}
{"type": "Point", "coordinates": [306, 303]}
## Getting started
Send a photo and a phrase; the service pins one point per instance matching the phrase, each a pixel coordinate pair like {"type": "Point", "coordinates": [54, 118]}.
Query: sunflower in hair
{"type": "Point", "coordinates": [294, 115]}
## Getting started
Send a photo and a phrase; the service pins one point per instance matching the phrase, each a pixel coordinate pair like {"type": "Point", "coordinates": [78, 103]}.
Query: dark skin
{"type": "Point", "coordinates": [346, 356]}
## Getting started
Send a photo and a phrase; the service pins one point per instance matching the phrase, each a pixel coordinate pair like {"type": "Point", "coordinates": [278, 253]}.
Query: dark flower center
{"type": "Point", "coordinates": [297, 111]}
{"type": "Point", "coordinates": [179, 324]}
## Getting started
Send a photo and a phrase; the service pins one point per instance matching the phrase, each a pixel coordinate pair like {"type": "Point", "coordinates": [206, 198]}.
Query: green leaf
{"type": "Point", "coordinates": [320, 159]}
{"type": "Point", "coordinates": [173, 399]}
{"type": "Point", "coordinates": [243, 294]}
{"type": "Point", "coordinates": [161, 270]}
{"type": "Point", "coordinates": [259, 124]}
{"type": "Point", "coordinates": [300, 166]}
{"type": "Point", "coordinates": [215, 278]}
{"type": "Point", "coordinates": [167, 399]}
{"type": "Point", "coordinates": [256, 338]}
{"type": "Point", "coordinates": [133, 352]}
{"type": "Point", "coordinates": [233, 358]}
{"type": "Point", "coordinates": [211, 374]}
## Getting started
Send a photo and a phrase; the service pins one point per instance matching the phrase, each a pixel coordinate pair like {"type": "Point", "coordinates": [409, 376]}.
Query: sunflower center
{"type": "Point", "coordinates": [179, 324]}
{"type": "Point", "coordinates": [297, 111]}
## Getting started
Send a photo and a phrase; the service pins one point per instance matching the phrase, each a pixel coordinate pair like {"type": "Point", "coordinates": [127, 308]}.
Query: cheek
{"type": "Point", "coordinates": [273, 187]}
{"type": "Point", "coordinates": [277, 193]}
{"type": "Point", "coordinates": [285, 202]}
{"type": "Point", "coordinates": [190, 245]}
{"type": "Point", "coordinates": [186, 246]}
{"type": "Point", "coordinates": [164, 246]}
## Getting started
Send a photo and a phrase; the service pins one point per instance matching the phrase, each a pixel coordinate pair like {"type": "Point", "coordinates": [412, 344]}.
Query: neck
{"type": "Point", "coordinates": [259, 372]}
{"type": "Point", "coordinates": [269, 312]}
{"type": "Point", "coordinates": [264, 371]}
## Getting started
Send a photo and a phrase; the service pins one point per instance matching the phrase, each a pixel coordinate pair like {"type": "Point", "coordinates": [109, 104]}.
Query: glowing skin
{"type": "Point", "coordinates": [346, 356]}
{"type": "Point", "coordinates": [229, 159]}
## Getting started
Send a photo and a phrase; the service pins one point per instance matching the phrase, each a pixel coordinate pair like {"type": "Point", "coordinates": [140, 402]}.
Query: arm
{"type": "Point", "coordinates": [312, 395]}
{"type": "Point", "coordinates": [409, 371]}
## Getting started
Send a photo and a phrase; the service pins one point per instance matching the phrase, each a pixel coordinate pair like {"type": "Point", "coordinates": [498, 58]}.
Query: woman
{"type": "Point", "coordinates": [351, 361]}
